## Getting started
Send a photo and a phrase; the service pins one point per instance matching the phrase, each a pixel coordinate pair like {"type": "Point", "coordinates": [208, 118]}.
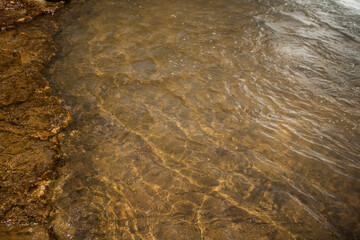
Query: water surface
{"type": "Point", "coordinates": [207, 119]}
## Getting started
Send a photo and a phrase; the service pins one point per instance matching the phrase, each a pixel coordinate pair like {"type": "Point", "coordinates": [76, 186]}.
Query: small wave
{"type": "Point", "coordinates": [352, 4]}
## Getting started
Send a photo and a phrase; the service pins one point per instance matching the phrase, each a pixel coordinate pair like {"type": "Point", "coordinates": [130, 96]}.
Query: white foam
{"type": "Point", "coordinates": [353, 4]}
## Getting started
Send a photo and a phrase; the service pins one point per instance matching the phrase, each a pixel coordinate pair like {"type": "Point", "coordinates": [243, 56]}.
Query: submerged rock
{"type": "Point", "coordinates": [32, 232]}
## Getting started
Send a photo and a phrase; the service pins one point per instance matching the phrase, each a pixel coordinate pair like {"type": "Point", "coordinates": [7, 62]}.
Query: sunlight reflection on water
{"type": "Point", "coordinates": [209, 120]}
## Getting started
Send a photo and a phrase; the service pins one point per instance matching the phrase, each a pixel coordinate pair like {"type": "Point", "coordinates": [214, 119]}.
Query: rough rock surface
{"type": "Point", "coordinates": [30, 120]}
{"type": "Point", "coordinates": [18, 11]}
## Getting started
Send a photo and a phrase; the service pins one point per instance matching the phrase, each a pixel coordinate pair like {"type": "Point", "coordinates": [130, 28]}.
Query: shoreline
{"type": "Point", "coordinates": [31, 118]}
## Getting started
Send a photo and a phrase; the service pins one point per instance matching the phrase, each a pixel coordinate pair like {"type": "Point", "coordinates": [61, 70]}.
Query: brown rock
{"type": "Point", "coordinates": [17, 11]}
{"type": "Point", "coordinates": [30, 120]}
{"type": "Point", "coordinates": [16, 232]}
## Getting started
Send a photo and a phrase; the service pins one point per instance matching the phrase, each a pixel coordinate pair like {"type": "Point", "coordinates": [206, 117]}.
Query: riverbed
{"type": "Point", "coordinates": [209, 120]}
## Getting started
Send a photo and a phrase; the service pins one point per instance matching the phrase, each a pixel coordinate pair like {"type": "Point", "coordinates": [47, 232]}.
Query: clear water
{"type": "Point", "coordinates": [226, 119]}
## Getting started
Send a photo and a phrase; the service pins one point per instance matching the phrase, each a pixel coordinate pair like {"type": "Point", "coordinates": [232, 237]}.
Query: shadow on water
{"type": "Point", "coordinates": [209, 120]}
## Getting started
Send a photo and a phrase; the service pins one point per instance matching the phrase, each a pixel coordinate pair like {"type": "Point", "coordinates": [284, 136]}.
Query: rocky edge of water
{"type": "Point", "coordinates": [31, 117]}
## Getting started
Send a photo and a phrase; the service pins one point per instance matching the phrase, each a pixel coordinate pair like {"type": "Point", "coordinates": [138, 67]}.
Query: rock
{"type": "Point", "coordinates": [17, 11]}
{"type": "Point", "coordinates": [31, 118]}
{"type": "Point", "coordinates": [16, 232]}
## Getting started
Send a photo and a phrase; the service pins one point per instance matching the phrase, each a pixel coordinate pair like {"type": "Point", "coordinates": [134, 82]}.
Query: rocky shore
{"type": "Point", "coordinates": [31, 118]}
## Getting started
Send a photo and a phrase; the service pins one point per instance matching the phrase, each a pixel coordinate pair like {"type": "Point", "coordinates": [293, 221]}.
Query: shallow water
{"type": "Point", "coordinates": [209, 120]}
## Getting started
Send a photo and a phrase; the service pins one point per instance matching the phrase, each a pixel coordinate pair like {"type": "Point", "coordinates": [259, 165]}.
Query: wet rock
{"type": "Point", "coordinates": [33, 232]}
{"type": "Point", "coordinates": [18, 11]}
{"type": "Point", "coordinates": [30, 120]}
{"type": "Point", "coordinates": [57, 0]}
